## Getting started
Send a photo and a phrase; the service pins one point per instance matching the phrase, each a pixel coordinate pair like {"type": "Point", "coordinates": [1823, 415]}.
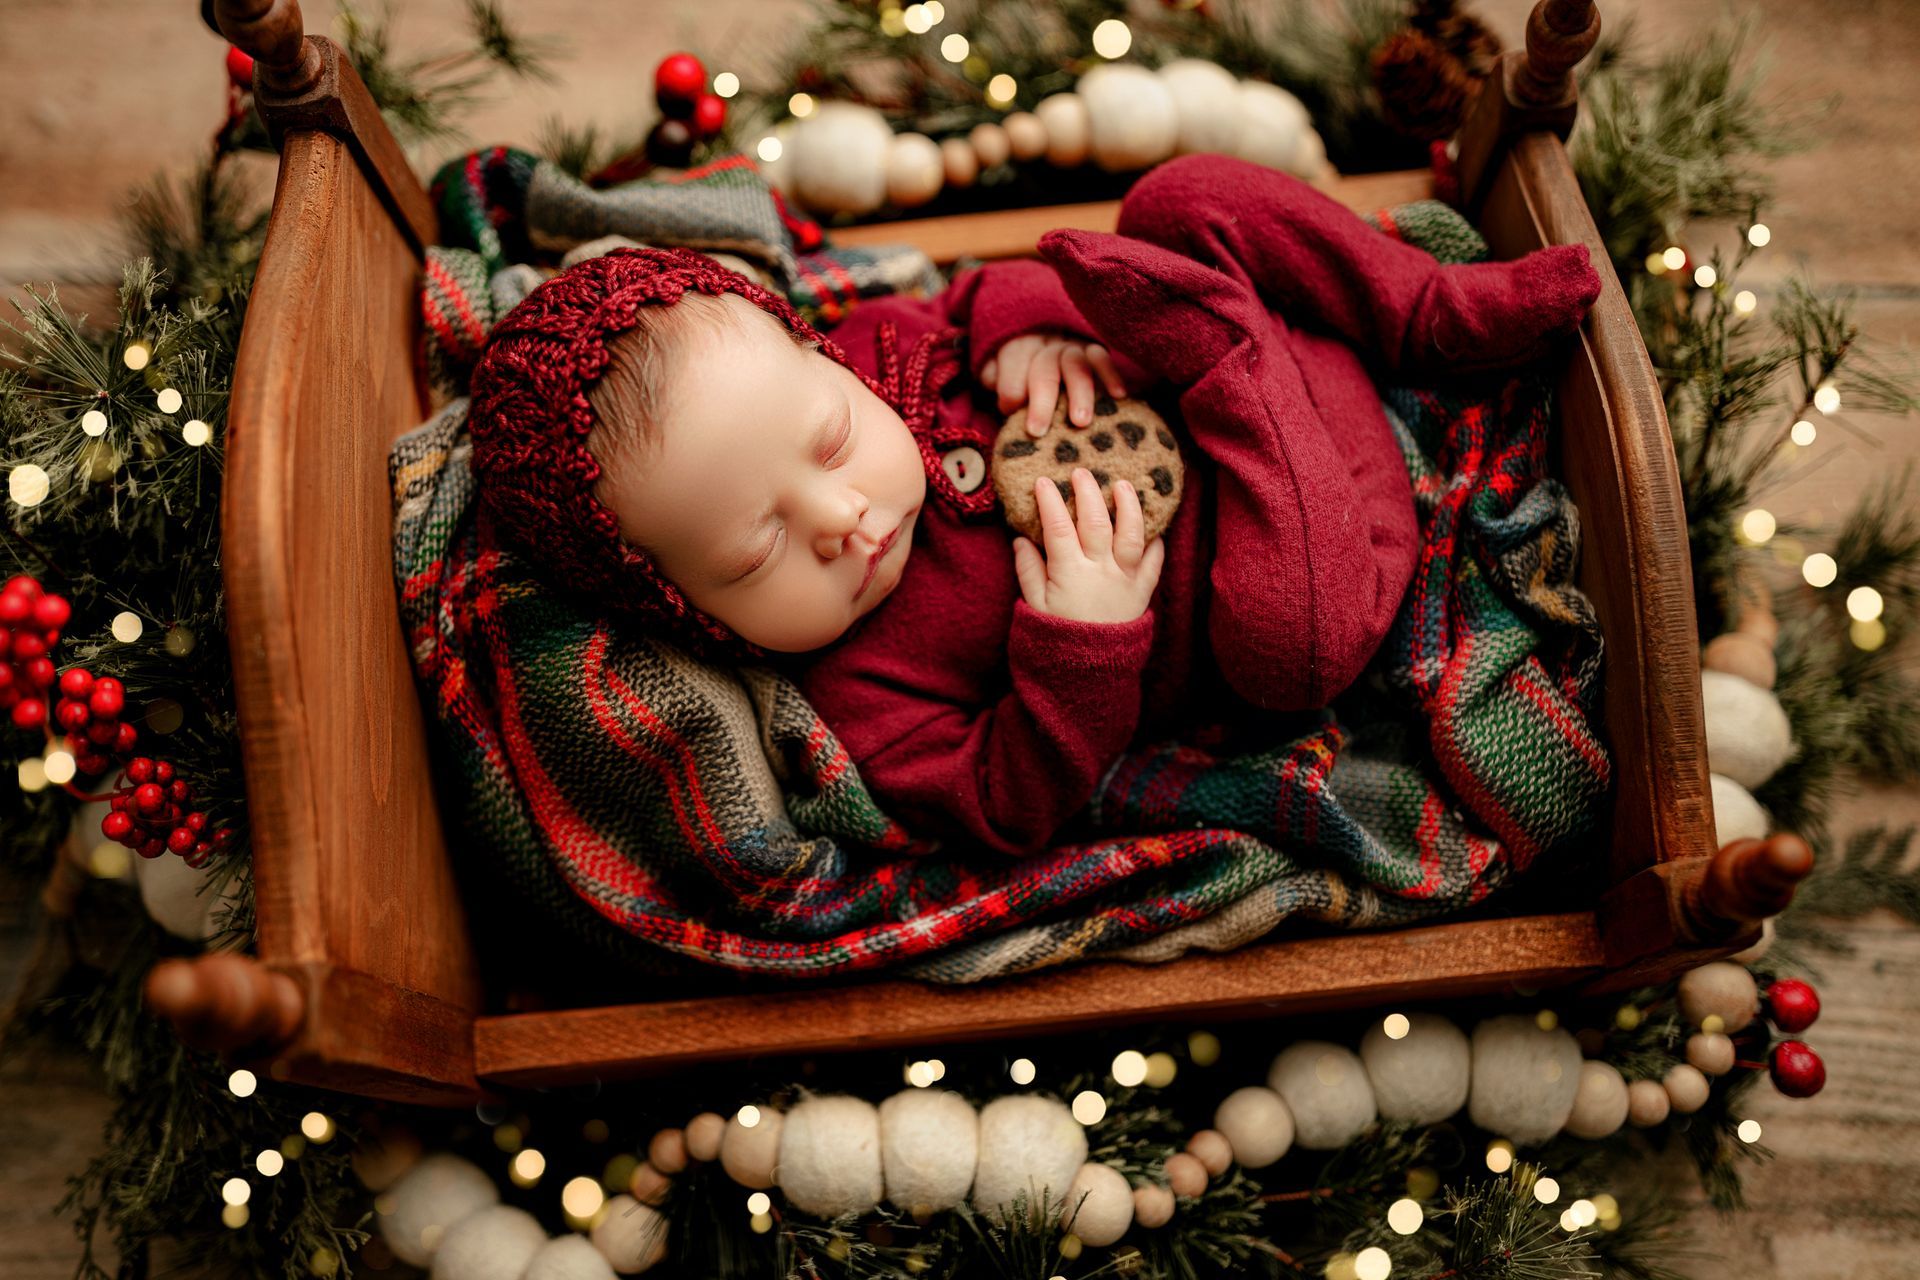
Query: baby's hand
{"type": "Point", "coordinates": [1030, 370]}
{"type": "Point", "coordinates": [1094, 573]}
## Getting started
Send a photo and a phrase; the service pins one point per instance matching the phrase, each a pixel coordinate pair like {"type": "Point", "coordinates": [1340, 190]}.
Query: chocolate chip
{"type": "Point", "coordinates": [1065, 452]}
{"type": "Point", "coordinates": [1132, 431]}
{"type": "Point", "coordinates": [1019, 449]}
{"type": "Point", "coordinates": [1103, 404]}
{"type": "Point", "coordinates": [1066, 489]}
{"type": "Point", "coordinates": [1099, 477]}
{"type": "Point", "coordinates": [1162, 481]}
{"type": "Point", "coordinates": [1102, 440]}
{"type": "Point", "coordinates": [1166, 436]}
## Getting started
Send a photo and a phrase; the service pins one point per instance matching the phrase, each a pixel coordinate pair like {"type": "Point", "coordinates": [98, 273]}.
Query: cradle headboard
{"type": "Point", "coordinates": [334, 741]}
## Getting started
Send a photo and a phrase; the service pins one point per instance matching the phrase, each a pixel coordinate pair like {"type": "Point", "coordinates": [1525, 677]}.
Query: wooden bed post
{"type": "Point", "coordinates": [1530, 89]}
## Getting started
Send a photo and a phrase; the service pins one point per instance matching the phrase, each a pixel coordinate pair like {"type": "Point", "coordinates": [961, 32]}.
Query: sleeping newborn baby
{"type": "Point", "coordinates": [659, 432]}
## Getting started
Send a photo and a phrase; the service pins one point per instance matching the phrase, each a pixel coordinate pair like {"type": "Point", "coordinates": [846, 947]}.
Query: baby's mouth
{"type": "Point", "coordinates": [873, 564]}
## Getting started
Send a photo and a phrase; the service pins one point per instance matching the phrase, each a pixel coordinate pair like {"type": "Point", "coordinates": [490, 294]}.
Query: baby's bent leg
{"type": "Point", "coordinates": [1318, 263]}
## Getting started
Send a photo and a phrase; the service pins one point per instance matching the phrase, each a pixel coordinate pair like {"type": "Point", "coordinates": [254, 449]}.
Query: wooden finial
{"type": "Point", "coordinates": [226, 1001]}
{"type": "Point", "coordinates": [274, 34]}
{"type": "Point", "coordinates": [1747, 881]}
{"type": "Point", "coordinates": [1559, 34]}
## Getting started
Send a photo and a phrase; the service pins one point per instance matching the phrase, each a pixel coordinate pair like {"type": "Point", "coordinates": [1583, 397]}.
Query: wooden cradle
{"type": "Point", "coordinates": [366, 977]}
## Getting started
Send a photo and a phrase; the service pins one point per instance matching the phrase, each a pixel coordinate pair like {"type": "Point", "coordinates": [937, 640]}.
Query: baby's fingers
{"type": "Point", "coordinates": [1102, 361]}
{"type": "Point", "coordinates": [1031, 571]}
{"type": "Point", "coordinates": [1129, 525]}
{"type": "Point", "coordinates": [1079, 379]}
{"type": "Point", "coordinates": [1056, 522]}
{"type": "Point", "coordinates": [1010, 376]}
{"type": "Point", "coordinates": [1043, 389]}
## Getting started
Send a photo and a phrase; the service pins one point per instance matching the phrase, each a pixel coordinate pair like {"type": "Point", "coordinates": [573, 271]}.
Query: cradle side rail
{"type": "Point", "coordinates": [358, 904]}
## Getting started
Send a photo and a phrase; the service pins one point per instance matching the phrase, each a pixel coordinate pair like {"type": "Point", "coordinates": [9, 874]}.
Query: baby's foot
{"type": "Point", "coordinates": [1496, 315]}
{"type": "Point", "coordinates": [1166, 312]}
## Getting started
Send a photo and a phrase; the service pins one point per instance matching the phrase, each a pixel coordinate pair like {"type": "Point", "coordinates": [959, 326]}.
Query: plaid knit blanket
{"type": "Point", "coordinates": [655, 806]}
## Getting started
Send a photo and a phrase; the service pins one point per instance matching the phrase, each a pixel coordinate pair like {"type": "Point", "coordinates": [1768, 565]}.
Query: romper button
{"type": "Point", "coordinates": [965, 467]}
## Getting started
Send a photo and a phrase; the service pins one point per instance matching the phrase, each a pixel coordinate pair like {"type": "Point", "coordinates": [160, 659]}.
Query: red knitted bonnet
{"type": "Point", "coordinates": [530, 416]}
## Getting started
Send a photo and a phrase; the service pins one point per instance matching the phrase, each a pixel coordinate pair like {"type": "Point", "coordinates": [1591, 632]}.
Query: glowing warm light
{"type": "Point", "coordinates": [317, 1127]}
{"type": "Point", "coordinates": [1749, 1131]}
{"type": "Point", "coordinates": [919, 1075]}
{"type": "Point", "coordinates": [1000, 89]}
{"type": "Point", "coordinates": [1405, 1216]}
{"type": "Point", "coordinates": [1868, 635]}
{"type": "Point", "coordinates": [938, 1068]}
{"type": "Point", "coordinates": [508, 1137]}
{"type": "Point", "coordinates": [1713, 1024]}
{"type": "Point", "coordinates": [1022, 1071]}
{"type": "Point", "coordinates": [800, 105]}
{"type": "Point", "coordinates": [1340, 1267]}
{"type": "Point", "coordinates": [1583, 1212]}
{"type": "Point", "coordinates": [527, 1166]}
{"type": "Point", "coordinates": [59, 765]}
{"type": "Point", "coordinates": [1627, 1017]}
{"type": "Point", "coordinates": [1422, 1181]}
{"type": "Point", "coordinates": [1397, 1025]}
{"type": "Point", "coordinates": [136, 355]}
{"type": "Point", "coordinates": [1758, 525]}
{"type": "Point", "coordinates": [769, 149]}
{"type": "Point", "coordinates": [1819, 570]}
{"type": "Point", "coordinates": [109, 861]}
{"type": "Point", "coordinates": [936, 11]}
{"type": "Point", "coordinates": [954, 48]}
{"type": "Point", "coordinates": [241, 1084]}
{"type": "Point", "coordinates": [126, 627]}
{"type": "Point", "coordinates": [93, 422]}
{"type": "Point", "coordinates": [1656, 264]}
{"type": "Point", "coordinates": [892, 23]}
{"type": "Point", "coordinates": [1569, 1221]}
{"type": "Point", "coordinates": [1499, 1155]}
{"type": "Point", "coordinates": [726, 84]}
{"type": "Point", "coordinates": [1803, 433]}
{"type": "Point", "coordinates": [1546, 1019]}
{"type": "Point", "coordinates": [582, 1197]}
{"type": "Point", "coordinates": [761, 1223]}
{"type": "Point", "coordinates": [1372, 1263]}
{"type": "Point", "coordinates": [1758, 234]}
{"type": "Point", "coordinates": [1826, 398]}
{"type": "Point", "coordinates": [1112, 38]}
{"type": "Point", "coordinates": [234, 1216]}
{"type": "Point", "coordinates": [1546, 1191]}
{"type": "Point", "coordinates": [759, 1202]}
{"type": "Point", "coordinates": [27, 484]}
{"type": "Point", "coordinates": [1204, 1048]}
{"type": "Point", "coordinates": [1605, 1205]}
{"type": "Point", "coordinates": [235, 1191]}
{"type": "Point", "coordinates": [269, 1163]}
{"type": "Point", "coordinates": [1129, 1068]}
{"type": "Point", "coordinates": [1704, 275]}
{"type": "Point", "coordinates": [748, 1116]}
{"type": "Point", "coordinates": [1161, 1068]}
{"type": "Point", "coordinates": [1675, 257]}
{"type": "Point", "coordinates": [169, 400]}
{"type": "Point", "coordinates": [918, 20]}
{"type": "Point", "coordinates": [1089, 1107]}
{"type": "Point", "coordinates": [33, 774]}
{"type": "Point", "coordinates": [1745, 301]}
{"type": "Point", "coordinates": [1864, 604]}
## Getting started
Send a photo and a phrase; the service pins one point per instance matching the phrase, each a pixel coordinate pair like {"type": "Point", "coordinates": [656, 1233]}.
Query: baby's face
{"type": "Point", "coordinates": [782, 496]}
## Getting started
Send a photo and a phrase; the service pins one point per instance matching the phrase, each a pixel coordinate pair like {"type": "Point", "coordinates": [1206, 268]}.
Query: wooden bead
{"type": "Point", "coordinates": [1719, 989]}
{"type": "Point", "coordinates": [1211, 1148]}
{"type": "Point", "coordinates": [962, 165]}
{"type": "Point", "coordinates": [1712, 1054]}
{"type": "Point", "coordinates": [991, 146]}
{"type": "Point", "coordinates": [648, 1185]}
{"type": "Point", "coordinates": [704, 1132]}
{"type": "Point", "coordinates": [1153, 1206]}
{"type": "Point", "coordinates": [1026, 136]}
{"type": "Point", "coordinates": [668, 1151]}
{"type": "Point", "coordinates": [1647, 1104]}
{"type": "Point", "coordinates": [1686, 1088]}
{"type": "Point", "coordinates": [751, 1155]}
{"type": "Point", "coordinates": [1743, 654]}
{"type": "Point", "coordinates": [1186, 1175]}
{"type": "Point", "coordinates": [1601, 1104]}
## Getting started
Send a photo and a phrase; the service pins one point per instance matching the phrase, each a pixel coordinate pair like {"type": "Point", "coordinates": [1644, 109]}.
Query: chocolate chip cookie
{"type": "Point", "coordinates": [1126, 441]}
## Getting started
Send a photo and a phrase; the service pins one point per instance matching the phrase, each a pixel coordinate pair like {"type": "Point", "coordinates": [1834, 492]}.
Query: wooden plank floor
{"type": "Point", "coordinates": [1842, 1199]}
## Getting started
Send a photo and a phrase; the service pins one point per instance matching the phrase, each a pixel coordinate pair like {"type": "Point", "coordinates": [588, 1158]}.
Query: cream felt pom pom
{"type": "Point", "coordinates": [1599, 1103]}
{"type": "Point", "coordinates": [1276, 131]}
{"type": "Point", "coordinates": [429, 1198]}
{"type": "Point", "coordinates": [839, 159]}
{"type": "Point", "coordinates": [929, 1144]}
{"type": "Point", "coordinates": [1524, 1078]}
{"type": "Point", "coordinates": [1099, 1205]}
{"type": "Point", "coordinates": [830, 1156]}
{"type": "Point", "coordinates": [630, 1235]}
{"type": "Point", "coordinates": [1760, 946]}
{"type": "Point", "coordinates": [750, 1153]}
{"type": "Point", "coordinates": [1065, 117]}
{"type": "Point", "coordinates": [1131, 118]}
{"type": "Point", "coordinates": [1256, 1124]}
{"type": "Point", "coordinates": [1748, 737]}
{"type": "Point", "coordinates": [182, 899]}
{"type": "Point", "coordinates": [1423, 1076]}
{"type": "Point", "coordinates": [1206, 101]}
{"type": "Point", "coordinates": [493, 1244]}
{"type": "Point", "coordinates": [1327, 1091]}
{"type": "Point", "coordinates": [1029, 1145]}
{"type": "Point", "coordinates": [914, 170]}
{"type": "Point", "coordinates": [1736, 814]}
{"type": "Point", "coordinates": [568, 1258]}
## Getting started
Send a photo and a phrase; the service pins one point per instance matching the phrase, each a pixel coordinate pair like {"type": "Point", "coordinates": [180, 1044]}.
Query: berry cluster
{"type": "Point", "coordinates": [151, 813]}
{"type": "Point", "coordinates": [691, 112]}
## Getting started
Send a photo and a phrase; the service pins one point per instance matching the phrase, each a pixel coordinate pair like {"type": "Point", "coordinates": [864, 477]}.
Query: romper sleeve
{"type": "Point", "coordinates": [1017, 296]}
{"type": "Point", "coordinates": [1010, 773]}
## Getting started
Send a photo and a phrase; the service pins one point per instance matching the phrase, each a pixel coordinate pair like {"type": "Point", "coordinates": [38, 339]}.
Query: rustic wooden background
{"type": "Point", "coordinates": [98, 95]}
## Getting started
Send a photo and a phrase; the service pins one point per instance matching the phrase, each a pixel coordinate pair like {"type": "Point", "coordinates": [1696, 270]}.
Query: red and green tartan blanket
{"type": "Point", "coordinates": [655, 806]}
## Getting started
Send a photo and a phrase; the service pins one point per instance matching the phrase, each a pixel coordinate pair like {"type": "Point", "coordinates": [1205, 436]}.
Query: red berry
{"type": "Point", "coordinates": [107, 700]}
{"type": "Point", "coordinates": [196, 822]}
{"type": "Point", "coordinates": [140, 769]}
{"type": "Point", "coordinates": [1794, 1005]}
{"type": "Point", "coordinates": [124, 736]}
{"type": "Point", "coordinates": [71, 715]}
{"type": "Point", "coordinates": [40, 673]}
{"type": "Point", "coordinates": [152, 848]}
{"type": "Point", "coordinates": [52, 636]}
{"type": "Point", "coordinates": [24, 584]}
{"type": "Point", "coordinates": [1797, 1070]}
{"type": "Point", "coordinates": [178, 791]}
{"type": "Point", "coordinates": [148, 797]}
{"type": "Point", "coordinates": [200, 851]}
{"type": "Point", "coordinates": [677, 82]}
{"type": "Point", "coordinates": [29, 713]}
{"type": "Point", "coordinates": [239, 67]}
{"type": "Point", "coordinates": [51, 612]}
{"type": "Point", "coordinates": [223, 836]}
{"type": "Point", "coordinates": [76, 682]}
{"type": "Point", "coordinates": [6, 675]}
{"type": "Point", "coordinates": [100, 732]}
{"type": "Point", "coordinates": [709, 115]}
{"type": "Point", "coordinates": [180, 840]}
{"type": "Point", "coordinates": [670, 143]}
{"type": "Point", "coordinates": [120, 801]}
{"type": "Point", "coordinates": [15, 606]}
{"type": "Point", "coordinates": [162, 772]}
{"type": "Point", "coordinates": [8, 696]}
{"type": "Point", "coordinates": [28, 644]}
{"type": "Point", "coordinates": [115, 825]}
{"type": "Point", "coordinates": [91, 763]}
